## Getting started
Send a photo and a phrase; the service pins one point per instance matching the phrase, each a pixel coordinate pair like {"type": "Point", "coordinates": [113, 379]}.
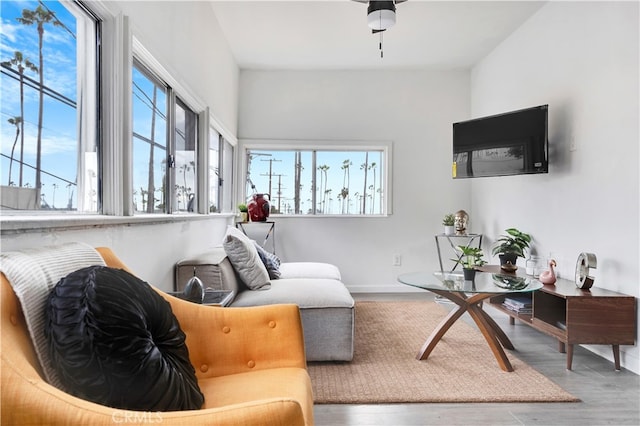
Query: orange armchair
{"type": "Point", "coordinates": [250, 364]}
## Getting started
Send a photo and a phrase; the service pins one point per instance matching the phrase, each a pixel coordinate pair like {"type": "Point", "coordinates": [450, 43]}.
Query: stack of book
{"type": "Point", "coordinates": [519, 304]}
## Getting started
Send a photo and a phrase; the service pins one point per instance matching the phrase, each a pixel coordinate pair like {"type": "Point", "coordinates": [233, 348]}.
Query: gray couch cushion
{"type": "Point", "coordinates": [309, 270]}
{"type": "Point", "coordinates": [304, 292]}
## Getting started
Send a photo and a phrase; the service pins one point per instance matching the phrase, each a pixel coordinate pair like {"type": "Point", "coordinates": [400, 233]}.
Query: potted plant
{"type": "Point", "coordinates": [244, 212]}
{"type": "Point", "coordinates": [449, 221]}
{"type": "Point", "coordinates": [511, 246]}
{"type": "Point", "coordinates": [470, 258]}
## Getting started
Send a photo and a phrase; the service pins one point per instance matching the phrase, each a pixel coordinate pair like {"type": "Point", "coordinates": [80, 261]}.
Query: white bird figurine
{"type": "Point", "coordinates": [548, 276]}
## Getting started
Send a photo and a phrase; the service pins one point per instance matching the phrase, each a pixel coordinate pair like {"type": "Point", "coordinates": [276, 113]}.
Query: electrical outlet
{"type": "Point", "coordinates": [397, 260]}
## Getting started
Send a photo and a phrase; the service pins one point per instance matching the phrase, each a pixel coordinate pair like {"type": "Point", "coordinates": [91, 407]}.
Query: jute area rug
{"type": "Point", "coordinates": [461, 368]}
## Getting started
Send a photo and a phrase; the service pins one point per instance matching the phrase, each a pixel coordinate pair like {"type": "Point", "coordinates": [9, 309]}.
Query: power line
{"type": "Point", "coordinates": [34, 84]}
{"type": "Point", "coordinates": [42, 171]}
{"type": "Point", "coordinates": [60, 23]}
{"type": "Point", "coordinates": [147, 101]}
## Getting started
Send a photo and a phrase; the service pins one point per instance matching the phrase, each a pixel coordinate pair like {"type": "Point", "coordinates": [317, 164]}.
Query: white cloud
{"type": "Point", "coordinates": [9, 30]}
{"type": "Point", "coordinates": [50, 144]}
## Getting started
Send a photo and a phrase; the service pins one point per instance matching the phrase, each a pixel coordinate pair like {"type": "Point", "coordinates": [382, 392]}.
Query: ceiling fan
{"type": "Point", "coordinates": [381, 15]}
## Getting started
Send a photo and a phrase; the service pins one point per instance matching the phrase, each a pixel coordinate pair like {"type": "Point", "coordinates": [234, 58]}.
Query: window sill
{"type": "Point", "coordinates": [328, 216]}
{"type": "Point", "coordinates": [35, 223]}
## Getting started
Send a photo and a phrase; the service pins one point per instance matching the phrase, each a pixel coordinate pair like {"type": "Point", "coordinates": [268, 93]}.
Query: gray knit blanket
{"type": "Point", "coordinates": [33, 273]}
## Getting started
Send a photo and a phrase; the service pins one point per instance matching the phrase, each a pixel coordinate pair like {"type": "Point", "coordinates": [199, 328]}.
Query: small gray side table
{"type": "Point", "coordinates": [472, 240]}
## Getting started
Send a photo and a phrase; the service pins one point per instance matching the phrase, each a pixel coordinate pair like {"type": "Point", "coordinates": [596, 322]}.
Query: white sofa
{"type": "Point", "coordinates": [326, 306]}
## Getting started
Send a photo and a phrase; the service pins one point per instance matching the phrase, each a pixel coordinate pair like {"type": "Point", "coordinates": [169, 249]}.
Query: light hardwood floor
{"type": "Point", "coordinates": [608, 397]}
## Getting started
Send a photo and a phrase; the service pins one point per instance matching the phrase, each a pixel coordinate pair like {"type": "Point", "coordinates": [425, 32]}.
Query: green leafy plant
{"type": "Point", "coordinates": [243, 208]}
{"type": "Point", "coordinates": [471, 257]}
{"type": "Point", "coordinates": [449, 219]}
{"type": "Point", "coordinates": [515, 242]}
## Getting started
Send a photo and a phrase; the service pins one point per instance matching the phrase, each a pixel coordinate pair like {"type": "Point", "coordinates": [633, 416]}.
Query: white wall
{"type": "Point", "coordinates": [185, 37]}
{"type": "Point", "coordinates": [149, 250]}
{"type": "Point", "coordinates": [582, 59]}
{"type": "Point", "coordinates": [412, 109]}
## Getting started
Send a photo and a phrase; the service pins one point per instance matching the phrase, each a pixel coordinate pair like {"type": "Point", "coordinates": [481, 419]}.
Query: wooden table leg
{"type": "Point", "coordinates": [561, 347]}
{"type": "Point", "coordinates": [490, 336]}
{"type": "Point", "coordinates": [500, 334]}
{"type": "Point", "coordinates": [616, 356]}
{"type": "Point", "coordinates": [492, 333]}
{"type": "Point", "coordinates": [569, 355]}
{"type": "Point", "coordinates": [437, 334]}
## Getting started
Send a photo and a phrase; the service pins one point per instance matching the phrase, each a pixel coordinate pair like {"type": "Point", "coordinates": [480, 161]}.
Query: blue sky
{"type": "Point", "coordinates": [59, 141]}
{"type": "Point", "coordinates": [280, 164]}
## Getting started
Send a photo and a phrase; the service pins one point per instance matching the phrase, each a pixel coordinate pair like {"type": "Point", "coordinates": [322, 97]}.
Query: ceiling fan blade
{"type": "Point", "coordinates": [377, 31]}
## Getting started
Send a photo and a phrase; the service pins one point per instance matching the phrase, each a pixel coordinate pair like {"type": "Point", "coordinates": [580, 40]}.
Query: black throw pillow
{"type": "Point", "coordinates": [116, 342]}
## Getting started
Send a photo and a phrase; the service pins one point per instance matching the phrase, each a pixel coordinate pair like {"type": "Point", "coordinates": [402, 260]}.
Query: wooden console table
{"type": "Point", "coordinates": [575, 316]}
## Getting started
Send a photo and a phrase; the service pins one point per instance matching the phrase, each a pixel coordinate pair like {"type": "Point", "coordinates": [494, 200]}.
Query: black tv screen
{"type": "Point", "coordinates": [512, 143]}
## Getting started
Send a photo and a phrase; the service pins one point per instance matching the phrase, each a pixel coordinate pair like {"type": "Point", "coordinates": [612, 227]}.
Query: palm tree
{"type": "Point", "coordinates": [345, 181]}
{"type": "Point", "coordinates": [323, 169]}
{"type": "Point", "coordinates": [39, 16]}
{"type": "Point", "coordinates": [53, 200]}
{"type": "Point", "coordinates": [371, 197]}
{"type": "Point", "coordinates": [187, 167]}
{"type": "Point", "coordinates": [365, 168]}
{"type": "Point", "coordinates": [344, 195]}
{"type": "Point", "coordinates": [373, 187]}
{"type": "Point", "coordinates": [21, 64]}
{"type": "Point", "coordinates": [16, 121]}
{"type": "Point", "coordinates": [143, 194]}
{"type": "Point", "coordinates": [327, 195]}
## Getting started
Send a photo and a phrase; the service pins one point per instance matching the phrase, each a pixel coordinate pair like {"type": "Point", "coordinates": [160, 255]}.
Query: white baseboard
{"type": "Point", "coordinates": [394, 288]}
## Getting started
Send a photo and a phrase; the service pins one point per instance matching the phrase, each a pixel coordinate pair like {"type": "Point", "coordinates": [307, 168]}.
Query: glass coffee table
{"type": "Point", "coordinates": [468, 295]}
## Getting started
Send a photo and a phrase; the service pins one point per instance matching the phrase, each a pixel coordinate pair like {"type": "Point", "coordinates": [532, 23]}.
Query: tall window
{"type": "Point", "coordinates": [49, 96]}
{"type": "Point", "coordinates": [228, 171]}
{"type": "Point", "coordinates": [165, 140]}
{"type": "Point", "coordinates": [220, 173]}
{"type": "Point", "coordinates": [320, 181]}
{"type": "Point", "coordinates": [150, 142]}
{"type": "Point", "coordinates": [215, 175]}
{"type": "Point", "coordinates": [186, 131]}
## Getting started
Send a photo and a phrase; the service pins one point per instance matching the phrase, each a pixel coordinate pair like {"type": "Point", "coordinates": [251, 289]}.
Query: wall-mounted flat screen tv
{"type": "Point", "coordinates": [512, 143]}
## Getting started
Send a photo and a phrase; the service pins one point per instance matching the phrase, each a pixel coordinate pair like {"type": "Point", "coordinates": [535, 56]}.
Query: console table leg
{"type": "Point", "coordinates": [616, 356]}
{"type": "Point", "coordinates": [569, 355]}
{"type": "Point", "coordinates": [561, 348]}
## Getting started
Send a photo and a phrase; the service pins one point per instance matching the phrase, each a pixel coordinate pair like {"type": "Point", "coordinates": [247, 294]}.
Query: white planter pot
{"type": "Point", "coordinates": [449, 230]}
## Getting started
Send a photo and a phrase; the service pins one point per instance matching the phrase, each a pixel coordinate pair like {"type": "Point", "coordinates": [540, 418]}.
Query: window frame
{"type": "Point", "coordinates": [386, 147]}
{"type": "Point", "coordinates": [205, 122]}
{"type": "Point", "coordinates": [89, 62]}
{"type": "Point", "coordinates": [113, 122]}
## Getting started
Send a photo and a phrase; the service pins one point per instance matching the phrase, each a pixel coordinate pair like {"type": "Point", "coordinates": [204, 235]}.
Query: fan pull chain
{"type": "Point", "coordinates": [380, 46]}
